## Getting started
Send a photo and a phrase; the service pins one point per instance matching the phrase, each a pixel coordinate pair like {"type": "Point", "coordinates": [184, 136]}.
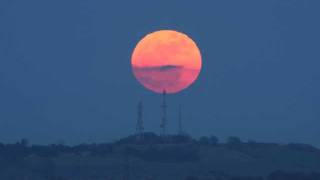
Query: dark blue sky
{"type": "Point", "coordinates": [65, 71]}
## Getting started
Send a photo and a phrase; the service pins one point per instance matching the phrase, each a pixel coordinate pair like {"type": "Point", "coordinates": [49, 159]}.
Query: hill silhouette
{"type": "Point", "coordinates": [153, 157]}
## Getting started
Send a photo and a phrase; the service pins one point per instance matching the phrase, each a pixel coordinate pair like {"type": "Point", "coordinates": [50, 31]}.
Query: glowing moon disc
{"type": "Point", "coordinates": [166, 60]}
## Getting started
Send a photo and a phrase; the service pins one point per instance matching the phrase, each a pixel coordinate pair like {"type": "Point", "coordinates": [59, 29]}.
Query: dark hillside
{"type": "Point", "coordinates": [174, 157]}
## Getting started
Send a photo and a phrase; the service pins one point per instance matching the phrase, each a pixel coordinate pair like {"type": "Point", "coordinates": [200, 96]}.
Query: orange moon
{"type": "Point", "coordinates": [166, 60]}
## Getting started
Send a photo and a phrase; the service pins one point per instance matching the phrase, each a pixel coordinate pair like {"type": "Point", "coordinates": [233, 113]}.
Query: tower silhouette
{"type": "Point", "coordinates": [180, 130]}
{"type": "Point", "coordinates": [163, 114]}
{"type": "Point", "coordinates": [139, 127]}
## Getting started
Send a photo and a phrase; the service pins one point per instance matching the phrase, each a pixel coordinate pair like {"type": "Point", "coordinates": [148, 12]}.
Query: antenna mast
{"type": "Point", "coordinates": [139, 127]}
{"type": "Point", "coordinates": [180, 131]}
{"type": "Point", "coordinates": [163, 114]}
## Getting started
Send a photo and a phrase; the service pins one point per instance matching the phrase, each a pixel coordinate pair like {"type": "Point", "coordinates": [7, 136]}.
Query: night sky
{"type": "Point", "coordinates": [65, 70]}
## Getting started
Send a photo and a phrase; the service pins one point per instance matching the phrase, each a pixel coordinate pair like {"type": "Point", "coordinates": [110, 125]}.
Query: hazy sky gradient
{"type": "Point", "coordinates": [65, 72]}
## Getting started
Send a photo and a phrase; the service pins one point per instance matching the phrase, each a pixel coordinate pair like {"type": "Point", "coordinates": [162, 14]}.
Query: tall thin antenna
{"type": "Point", "coordinates": [163, 113]}
{"type": "Point", "coordinates": [180, 131]}
{"type": "Point", "coordinates": [139, 127]}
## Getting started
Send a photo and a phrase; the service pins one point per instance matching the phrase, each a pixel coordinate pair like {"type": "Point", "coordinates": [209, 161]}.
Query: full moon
{"type": "Point", "coordinates": [166, 60]}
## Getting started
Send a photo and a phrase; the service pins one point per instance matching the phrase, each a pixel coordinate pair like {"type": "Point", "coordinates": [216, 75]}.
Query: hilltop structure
{"type": "Point", "coordinates": [139, 126]}
{"type": "Point", "coordinates": [163, 106]}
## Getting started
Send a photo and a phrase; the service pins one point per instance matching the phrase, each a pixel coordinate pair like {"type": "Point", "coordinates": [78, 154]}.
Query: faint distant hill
{"type": "Point", "coordinates": [175, 157]}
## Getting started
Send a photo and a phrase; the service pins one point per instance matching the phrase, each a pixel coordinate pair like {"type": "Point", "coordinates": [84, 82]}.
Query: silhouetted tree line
{"type": "Point", "coordinates": [21, 149]}
{"type": "Point", "coordinates": [152, 138]}
{"type": "Point", "coordinates": [175, 153]}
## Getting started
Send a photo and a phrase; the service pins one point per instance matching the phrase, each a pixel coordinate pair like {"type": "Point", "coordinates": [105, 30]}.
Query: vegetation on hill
{"type": "Point", "coordinates": [153, 157]}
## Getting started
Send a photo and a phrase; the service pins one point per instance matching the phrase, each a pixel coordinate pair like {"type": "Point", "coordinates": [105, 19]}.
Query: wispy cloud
{"type": "Point", "coordinates": [160, 68]}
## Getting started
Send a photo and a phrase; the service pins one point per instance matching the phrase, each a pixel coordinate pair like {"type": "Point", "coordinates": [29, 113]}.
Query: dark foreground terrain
{"type": "Point", "coordinates": [176, 157]}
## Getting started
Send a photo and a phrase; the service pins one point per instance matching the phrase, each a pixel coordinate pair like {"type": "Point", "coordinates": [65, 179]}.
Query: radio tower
{"type": "Point", "coordinates": [163, 114]}
{"type": "Point", "coordinates": [140, 128]}
{"type": "Point", "coordinates": [180, 131]}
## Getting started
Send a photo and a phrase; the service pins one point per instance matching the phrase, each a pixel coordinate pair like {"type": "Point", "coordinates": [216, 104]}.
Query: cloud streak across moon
{"type": "Point", "coordinates": [166, 60]}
